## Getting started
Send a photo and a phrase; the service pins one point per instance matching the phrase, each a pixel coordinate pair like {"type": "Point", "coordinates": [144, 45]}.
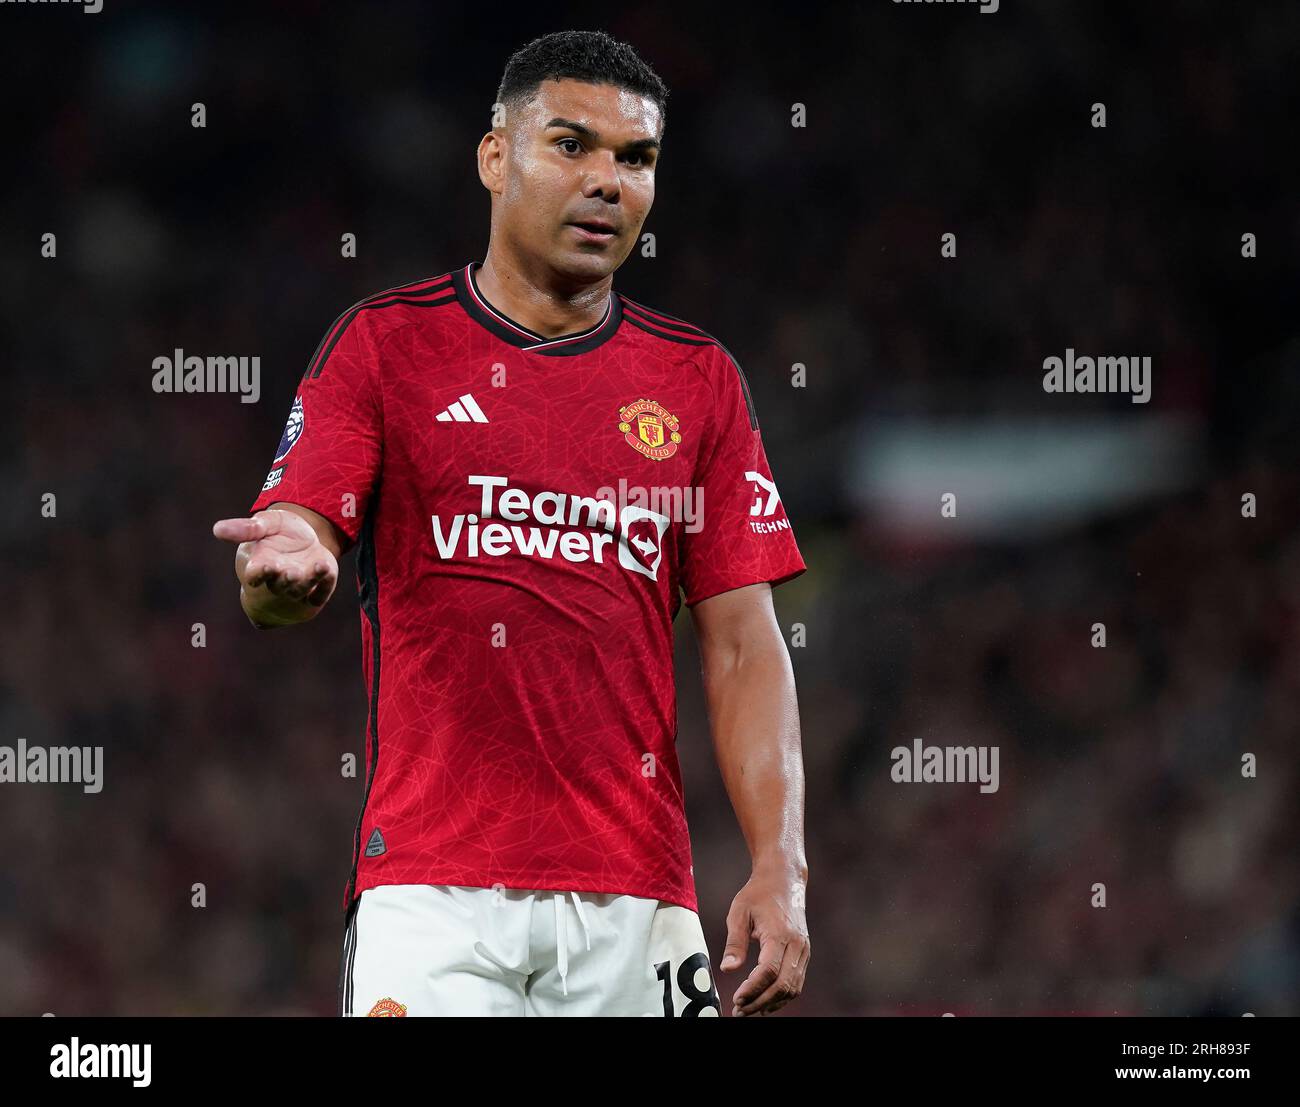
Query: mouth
{"type": "Point", "coordinates": [595, 230]}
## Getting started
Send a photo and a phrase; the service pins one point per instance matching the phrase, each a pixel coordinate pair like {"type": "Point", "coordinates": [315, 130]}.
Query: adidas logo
{"type": "Point", "coordinates": [464, 410]}
{"type": "Point", "coordinates": [376, 845]}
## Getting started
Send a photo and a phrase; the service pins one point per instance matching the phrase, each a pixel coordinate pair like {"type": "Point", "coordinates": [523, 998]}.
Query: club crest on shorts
{"type": "Point", "coordinates": [650, 429]}
{"type": "Point", "coordinates": [387, 1008]}
{"type": "Point", "coordinates": [292, 431]}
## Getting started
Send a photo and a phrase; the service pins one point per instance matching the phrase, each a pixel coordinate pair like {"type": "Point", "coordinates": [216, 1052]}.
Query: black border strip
{"type": "Point", "coordinates": [349, 959]}
{"type": "Point", "coordinates": [368, 589]}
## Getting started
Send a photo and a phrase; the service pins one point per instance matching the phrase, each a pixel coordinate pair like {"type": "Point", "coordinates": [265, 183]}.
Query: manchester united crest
{"type": "Point", "coordinates": [650, 429]}
{"type": "Point", "coordinates": [388, 1009]}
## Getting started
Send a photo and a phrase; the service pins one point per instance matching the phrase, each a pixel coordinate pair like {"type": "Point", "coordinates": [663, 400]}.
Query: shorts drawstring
{"type": "Point", "coordinates": [561, 936]}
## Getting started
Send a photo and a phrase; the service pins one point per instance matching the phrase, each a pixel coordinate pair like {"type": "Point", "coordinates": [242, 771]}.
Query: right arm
{"type": "Point", "coordinates": [329, 457]}
{"type": "Point", "coordinates": [286, 562]}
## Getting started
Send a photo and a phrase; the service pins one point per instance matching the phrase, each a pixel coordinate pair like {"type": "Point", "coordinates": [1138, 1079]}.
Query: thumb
{"type": "Point", "coordinates": [733, 953]}
{"type": "Point", "coordinates": [259, 526]}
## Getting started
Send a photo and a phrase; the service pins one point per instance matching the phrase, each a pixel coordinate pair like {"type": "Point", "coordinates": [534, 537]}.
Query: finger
{"type": "Point", "coordinates": [324, 587]}
{"type": "Point", "coordinates": [318, 574]}
{"type": "Point", "coordinates": [801, 965]}
{"type": "Point", "coordinates": [260, 571]}
{"type": "Point", "coordinates": [784, 988]}
{"type": "Point", "coordinates": [293, 587]}
{"type": "Point", "coordinates": [269, 571]}
{"type": "Point", "coordinates": [789, 985]}
{"type": "Point", "coordinates": [773, 1008]}
{"type": "Point", "coordinates": [770, 953]}
{"type": "Point", "coordinates": [298, 581]}
{"type": "Point", "coordinates": [237, 530]}
{"type": "Point", "coordinates": [247, 530]}
{"type": "Point", "coordinates": [737, 947]}
{"type": "Point", "coordinates": [320, 580]}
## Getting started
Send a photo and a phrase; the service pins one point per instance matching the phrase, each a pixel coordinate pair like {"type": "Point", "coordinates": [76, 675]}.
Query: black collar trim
{"type": "Point", "coordinates": [516, 334]}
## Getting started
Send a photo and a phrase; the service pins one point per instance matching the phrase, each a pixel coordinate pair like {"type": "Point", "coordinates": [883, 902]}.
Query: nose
{"type": "Point", "coordinates": [602, 177]}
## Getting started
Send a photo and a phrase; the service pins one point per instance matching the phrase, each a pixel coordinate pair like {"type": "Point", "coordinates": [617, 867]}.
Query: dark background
{"type": "Point", "coordinates": [817, 246]}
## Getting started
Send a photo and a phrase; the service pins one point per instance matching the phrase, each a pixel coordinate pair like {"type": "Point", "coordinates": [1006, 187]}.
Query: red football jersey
{"type": "Point", "coordinates": [525, 511]}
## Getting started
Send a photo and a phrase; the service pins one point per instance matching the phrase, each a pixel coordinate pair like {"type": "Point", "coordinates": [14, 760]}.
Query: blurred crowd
{"type": "Point", "coordinates": [1120, 767]}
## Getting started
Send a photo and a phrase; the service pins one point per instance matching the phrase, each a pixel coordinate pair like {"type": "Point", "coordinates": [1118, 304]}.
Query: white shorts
{"type": "Point", "coordinates": [426, 949]}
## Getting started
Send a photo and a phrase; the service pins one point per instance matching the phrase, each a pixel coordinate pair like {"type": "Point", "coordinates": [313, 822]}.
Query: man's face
{"type": "Point", "coordinates": [573, 175]}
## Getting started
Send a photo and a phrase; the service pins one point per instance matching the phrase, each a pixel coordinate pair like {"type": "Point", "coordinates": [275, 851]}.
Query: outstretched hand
{"type": "Point", "coordinates": [281, 552]}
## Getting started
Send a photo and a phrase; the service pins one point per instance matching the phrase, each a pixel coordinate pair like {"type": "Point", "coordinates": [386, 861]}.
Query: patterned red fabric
{"type": "Point", "coordinates": [517, 600]}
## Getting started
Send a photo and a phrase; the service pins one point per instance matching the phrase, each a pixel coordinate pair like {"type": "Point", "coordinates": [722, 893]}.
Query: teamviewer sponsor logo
{"type": "Point", "coordinates": [642, 531]}
{"type": "Point", "coordinates": [550, 524]}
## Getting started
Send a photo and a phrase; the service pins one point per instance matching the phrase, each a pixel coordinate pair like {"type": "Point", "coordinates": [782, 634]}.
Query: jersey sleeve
{"type": "Point", "coordinates": [744, 536]}
{"type": "Point", "coordinates": [329, 455]}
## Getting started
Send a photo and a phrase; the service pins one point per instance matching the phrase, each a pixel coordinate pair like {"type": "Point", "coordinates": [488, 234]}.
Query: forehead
{"type": "Point", "coordinates": [611, 111]}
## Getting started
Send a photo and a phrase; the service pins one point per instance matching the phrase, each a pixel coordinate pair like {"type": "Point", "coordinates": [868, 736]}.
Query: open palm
{"type": "Point", "coordinates": [282, 552]}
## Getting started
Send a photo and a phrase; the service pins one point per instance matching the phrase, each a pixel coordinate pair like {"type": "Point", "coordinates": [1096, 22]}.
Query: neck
{"type": "Point", "coordinates": [539, 298]}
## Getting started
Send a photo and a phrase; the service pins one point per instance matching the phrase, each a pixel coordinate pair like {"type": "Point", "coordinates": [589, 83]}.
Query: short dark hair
{"type": "Point", "coordinates": [591, 56]}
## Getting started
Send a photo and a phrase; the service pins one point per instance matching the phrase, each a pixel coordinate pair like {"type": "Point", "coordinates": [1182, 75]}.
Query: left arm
{"type": "Point", "coordinates": [749, 688]}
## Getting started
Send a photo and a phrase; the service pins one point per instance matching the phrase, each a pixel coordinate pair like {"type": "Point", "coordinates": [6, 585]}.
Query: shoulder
{"type": "Point", "coordinates": [384, 311]}
{"type": "Point", "coordinates": [373, 318]}
{"type": "Point", "coordinates": [696, 345]}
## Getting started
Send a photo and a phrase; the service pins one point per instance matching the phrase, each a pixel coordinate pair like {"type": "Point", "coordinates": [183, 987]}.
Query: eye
{"type": "Point", "coordinates": [577, 146]}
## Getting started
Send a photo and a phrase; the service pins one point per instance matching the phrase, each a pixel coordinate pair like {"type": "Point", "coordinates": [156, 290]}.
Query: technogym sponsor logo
{"type": "Point", "coordinates": [766, 500]}
{"type": "Point", "coordinates": [24, 764]}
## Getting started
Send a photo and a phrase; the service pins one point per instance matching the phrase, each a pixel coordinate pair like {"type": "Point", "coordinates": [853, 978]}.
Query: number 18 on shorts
{"type": "Point", "coordinates": [424, 949]}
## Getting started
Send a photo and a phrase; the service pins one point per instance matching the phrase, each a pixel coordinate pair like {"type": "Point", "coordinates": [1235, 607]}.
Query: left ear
{"type": "Point", "coordinates": [493, 148]}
